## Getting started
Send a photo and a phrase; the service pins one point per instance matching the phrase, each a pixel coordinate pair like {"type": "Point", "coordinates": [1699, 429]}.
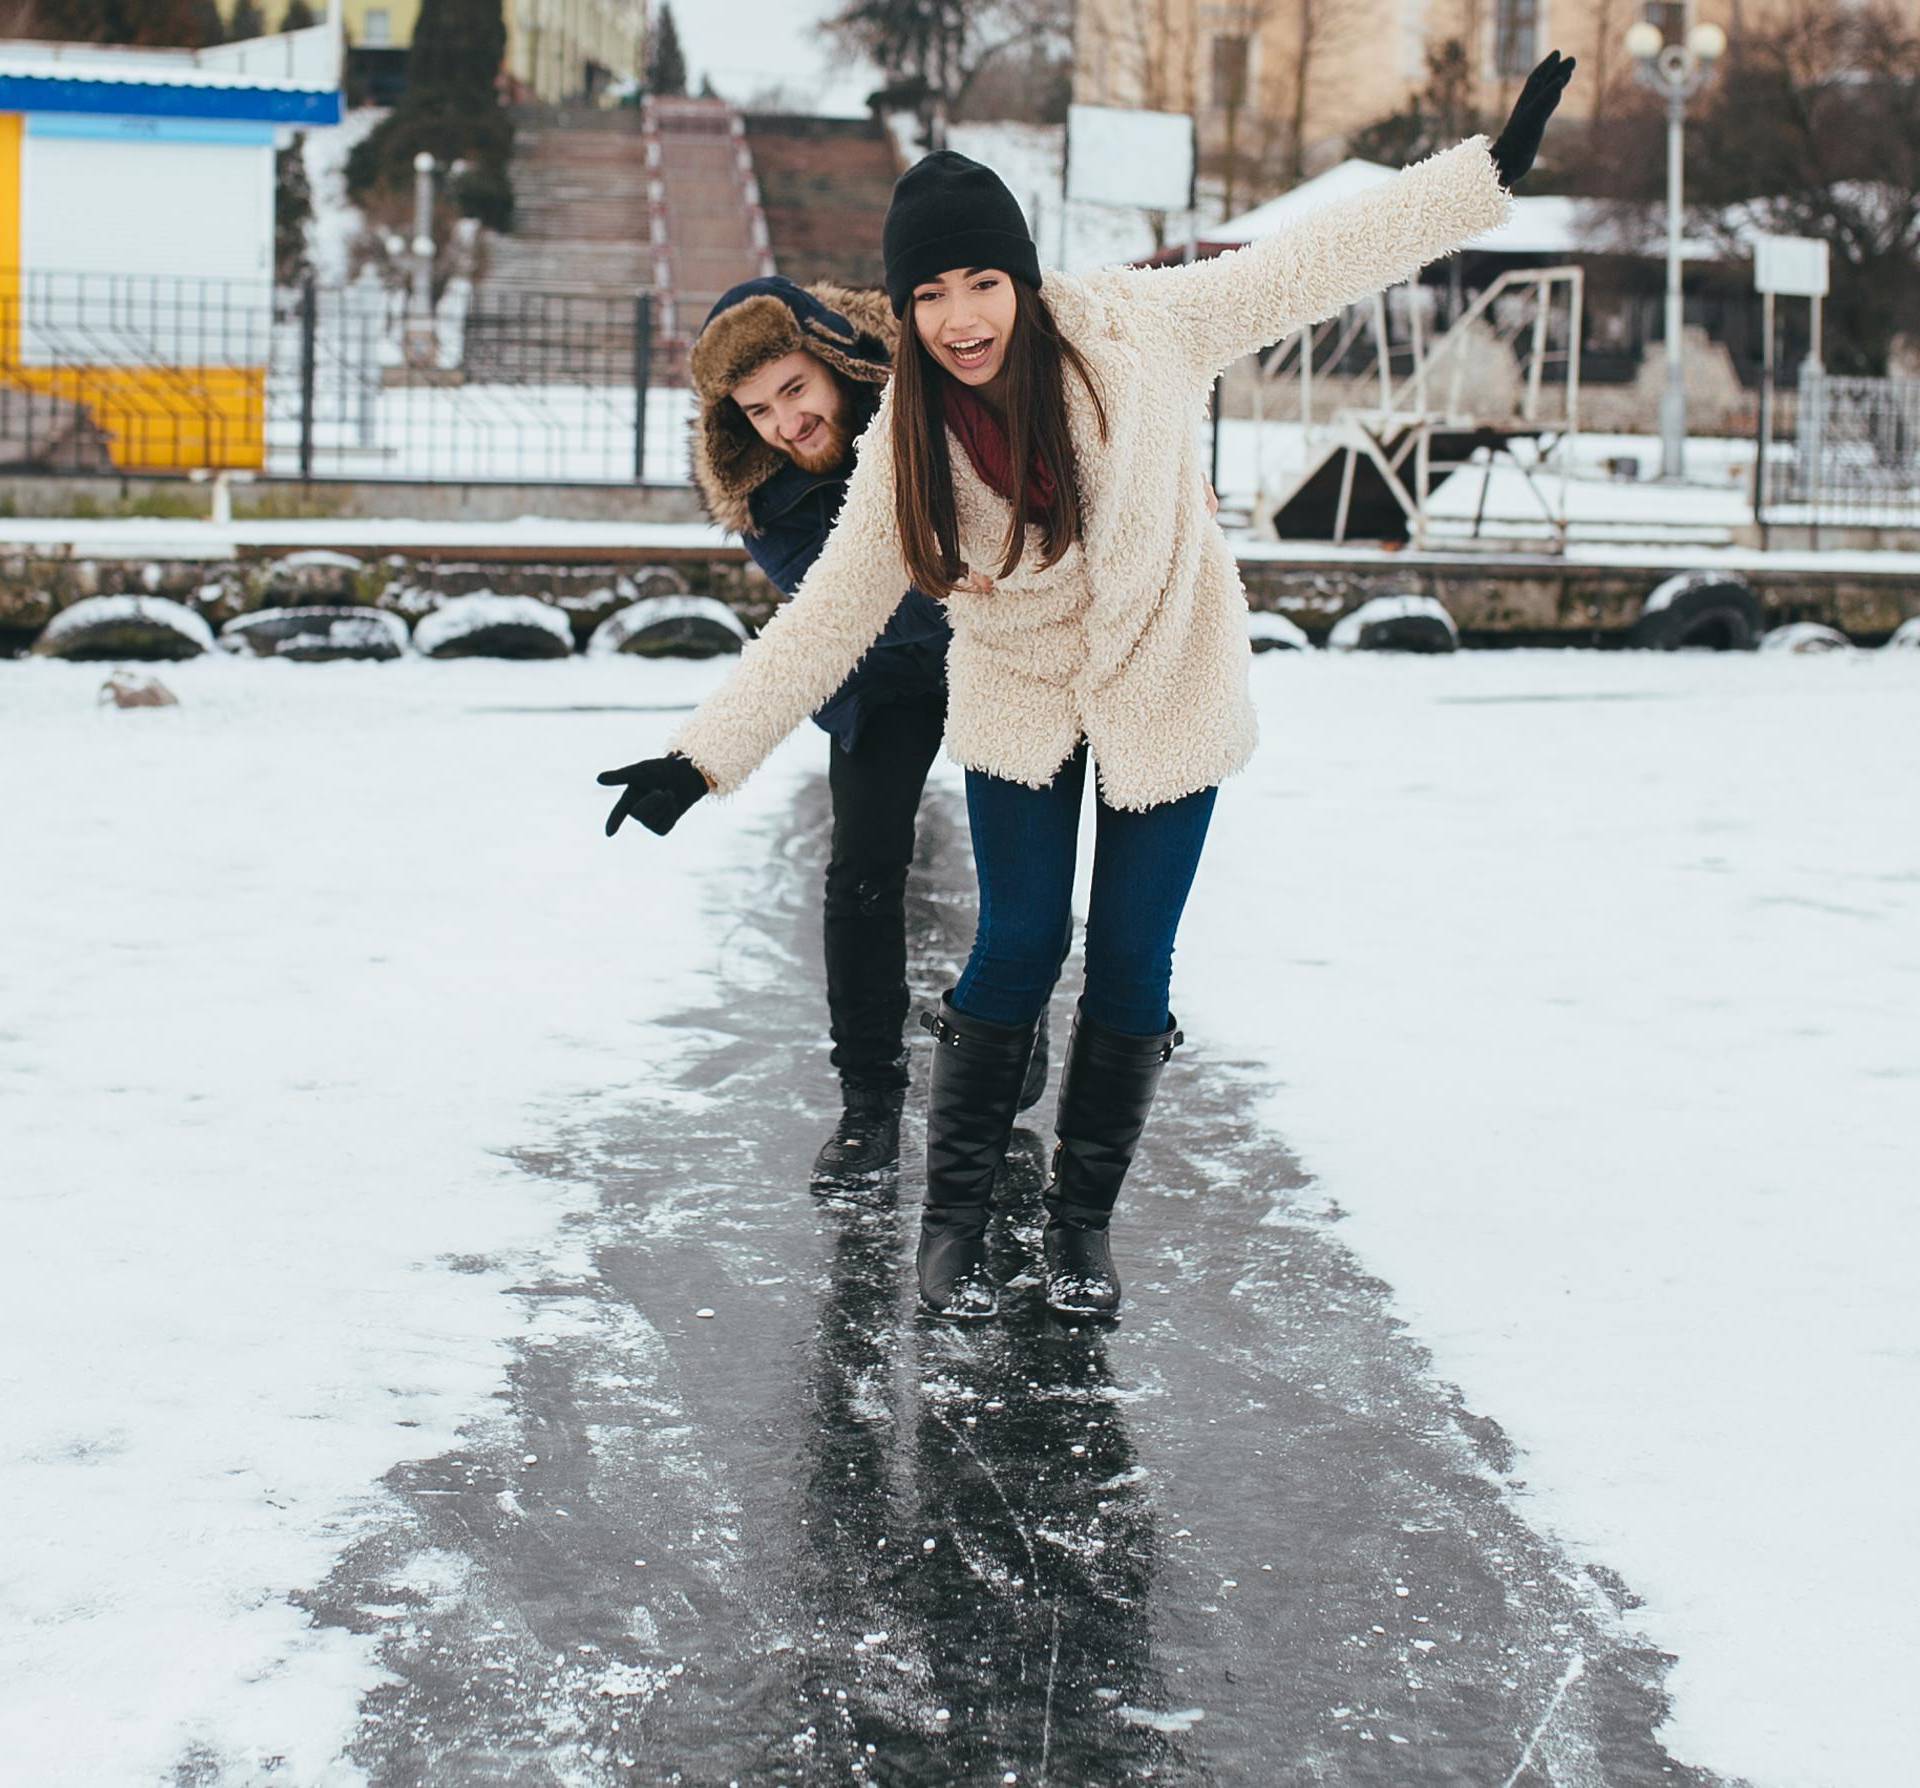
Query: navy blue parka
{"type": "Point", "coordinates": [783, 512]}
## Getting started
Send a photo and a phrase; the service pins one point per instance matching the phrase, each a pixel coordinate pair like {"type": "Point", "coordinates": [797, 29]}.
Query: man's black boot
{"type": "Point", "coordinates": [972, 1089]}
{"type": "Point", "coordinates": [865, 1145]}
{"type": "Point", "coordinates": [1106, 1092]}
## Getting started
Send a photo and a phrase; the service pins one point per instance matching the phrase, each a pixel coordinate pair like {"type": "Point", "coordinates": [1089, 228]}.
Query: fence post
{"type": "Point", "coordinates": [309, 336]}
{"type": "Point", "coordinates": [642, 371]}
{"type": "Point", "coordinates": [1810, 430]}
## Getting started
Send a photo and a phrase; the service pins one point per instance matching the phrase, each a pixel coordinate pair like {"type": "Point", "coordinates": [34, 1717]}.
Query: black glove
{"type": "Point", "coordinates": [657, 792]}
{"type": "Point", "coordinates": [1519, 143]}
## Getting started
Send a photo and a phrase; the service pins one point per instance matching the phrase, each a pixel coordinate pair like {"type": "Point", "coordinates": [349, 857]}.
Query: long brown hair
{"type": "Point", "coordinates": [1037, 433]}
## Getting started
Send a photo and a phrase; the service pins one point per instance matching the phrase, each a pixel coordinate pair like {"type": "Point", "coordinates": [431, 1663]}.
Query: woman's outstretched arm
{"type": "Point", "coordinates": [1240, 302]}
{"type": "Point", "coordinates": [1249, 298]}
{"type": "Point", "coordinates": [807, 650]}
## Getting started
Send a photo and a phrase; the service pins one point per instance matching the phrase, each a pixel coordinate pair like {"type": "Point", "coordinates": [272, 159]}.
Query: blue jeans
{"type": "Point", "coordinates": [1023, 849]}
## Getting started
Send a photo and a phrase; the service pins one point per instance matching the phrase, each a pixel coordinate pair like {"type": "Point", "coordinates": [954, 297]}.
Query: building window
{"type": "Point", "coordinates": [1516, 37]}
{"type": "Point", "coordinates": [1228, 92]}
{"type": "Point", "coordinates": [376, 29]}
{"type": "Point", "coordinates": [1670, 16]}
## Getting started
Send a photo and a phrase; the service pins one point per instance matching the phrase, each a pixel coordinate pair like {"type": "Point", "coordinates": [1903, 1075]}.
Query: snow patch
{"type": "Point", "coordinates": [1275, 631]}
{"type": "Point", "coordinates": [1173, 1720]}
{"type": "Point", "coordinates": [1805, 636]}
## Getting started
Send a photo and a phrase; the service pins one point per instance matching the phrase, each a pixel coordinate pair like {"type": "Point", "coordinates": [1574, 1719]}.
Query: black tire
{"type": "Point", "coordinates": [1396, 624]}
{"type": "Point", "coordinates": [483, 625]}
{"type": "Point", "coordinates": [670, 627]}
{"type": "Point", "coordinates": [1699, 611]}
{"type": "Point", "coordinates": [317, 635]}
{"type": "Point", "coordinates": [103, 629]}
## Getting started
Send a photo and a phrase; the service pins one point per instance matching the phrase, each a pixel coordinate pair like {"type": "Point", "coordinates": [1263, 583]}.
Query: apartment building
{"type": "Point", "coordinates": [557, 50]}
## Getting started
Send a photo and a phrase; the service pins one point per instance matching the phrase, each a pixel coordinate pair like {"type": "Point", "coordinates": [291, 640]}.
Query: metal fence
{"type": "Point", "coordinates": [157, 376]}
{"type": "Point", "coordinates": [1842, 452]}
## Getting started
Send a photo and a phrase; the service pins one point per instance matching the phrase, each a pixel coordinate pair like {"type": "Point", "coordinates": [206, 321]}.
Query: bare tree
{"type": "Point", "coordinates": [1813, 130]}
{"type": "Point", "coordinates": [1436, 117]}
{"type": "Point", "coordinates": [1231, 89]}
{"type": "Point", "coordinates": [1316, 30]}
{"type": "Point", "coordinates": [938, 48]}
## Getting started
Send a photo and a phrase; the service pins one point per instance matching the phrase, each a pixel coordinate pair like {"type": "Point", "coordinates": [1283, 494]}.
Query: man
{"type": "Point", "coordinates": [785, 378]}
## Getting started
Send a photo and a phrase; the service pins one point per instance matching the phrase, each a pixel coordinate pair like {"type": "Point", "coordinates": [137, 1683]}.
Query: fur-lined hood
{"type": "Point", "coordinates": [752, 325]}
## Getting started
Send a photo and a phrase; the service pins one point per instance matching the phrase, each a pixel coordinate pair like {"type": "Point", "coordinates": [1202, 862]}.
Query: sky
{"type": "Point", "coordinates": [747, 46]}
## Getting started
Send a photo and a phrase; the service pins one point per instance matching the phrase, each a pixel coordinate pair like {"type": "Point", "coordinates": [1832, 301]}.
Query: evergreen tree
{"type": "Point", "coordinates": [458, 46]}
{"type": "Point", "coordinates": [299, 17]}
{"type": "Point", "coordinates": [209, 26]}
{"type": "Point", "coordinates": [667, 65]}
{"type": "Point", "coordinates": [160, 24]}
{"type": "Point", "coordinates": [451, 110]}
{"type": "Point", "coordinates": [292, 208]}
{"type": "Point", "coordinates": [246, 22]}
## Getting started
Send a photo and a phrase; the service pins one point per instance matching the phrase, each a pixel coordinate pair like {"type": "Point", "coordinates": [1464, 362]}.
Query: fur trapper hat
{"type": "Point", "coordinates": [751, 326]}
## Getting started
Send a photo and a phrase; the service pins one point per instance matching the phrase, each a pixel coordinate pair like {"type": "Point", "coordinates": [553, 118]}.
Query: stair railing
{"type": "Point", "coordinates": [1397, 432]}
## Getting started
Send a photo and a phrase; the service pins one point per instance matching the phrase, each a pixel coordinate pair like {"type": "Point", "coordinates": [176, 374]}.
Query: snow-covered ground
{"type": "Point", "coordinates": [1586, 981]}
{"type": "Point", "coordinates": [1590, 983]}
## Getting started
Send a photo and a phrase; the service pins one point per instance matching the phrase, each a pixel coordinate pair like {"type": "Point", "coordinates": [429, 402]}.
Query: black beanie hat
{"type": "Point", "coordinates": [949, 212]}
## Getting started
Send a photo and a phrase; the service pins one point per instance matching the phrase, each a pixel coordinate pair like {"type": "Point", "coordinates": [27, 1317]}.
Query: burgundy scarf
{"type": "Point", "coordinates": [984, 437]}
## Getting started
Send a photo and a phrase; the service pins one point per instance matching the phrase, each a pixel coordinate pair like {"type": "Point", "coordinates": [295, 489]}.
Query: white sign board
{"type": "Point", "coordinates": [1790, 266]}
{"type": "Point", "coordinates": [1117, 156]}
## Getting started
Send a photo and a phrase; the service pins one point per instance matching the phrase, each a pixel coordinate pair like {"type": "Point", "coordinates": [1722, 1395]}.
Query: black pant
{"type": "Point", "coordinates": [876, 798]}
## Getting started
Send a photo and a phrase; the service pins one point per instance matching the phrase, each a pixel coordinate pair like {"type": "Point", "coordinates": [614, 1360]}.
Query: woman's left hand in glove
{"type": "Point", "coordinates": [1519, 143]}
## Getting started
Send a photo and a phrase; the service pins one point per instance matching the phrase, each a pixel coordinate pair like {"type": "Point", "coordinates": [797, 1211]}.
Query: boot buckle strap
{"type": "Point", "coordinates": [943, 1031]}
{"type": "Point", "coordinates": [1171, 1044]}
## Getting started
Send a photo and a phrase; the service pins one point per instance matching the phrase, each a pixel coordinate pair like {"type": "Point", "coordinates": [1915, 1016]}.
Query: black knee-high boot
{"type": "Point", "coordinates": [972, 1090]}
{"type": "Point", "coordinates": [1106, 1092]}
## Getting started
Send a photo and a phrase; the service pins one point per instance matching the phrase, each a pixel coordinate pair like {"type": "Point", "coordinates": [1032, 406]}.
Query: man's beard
{"type": "Point", "coordinates": [827, 451]}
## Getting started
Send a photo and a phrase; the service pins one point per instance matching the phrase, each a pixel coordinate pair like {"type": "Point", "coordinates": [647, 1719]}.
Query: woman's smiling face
{"type": "Point", "coordinates": [965, 319]}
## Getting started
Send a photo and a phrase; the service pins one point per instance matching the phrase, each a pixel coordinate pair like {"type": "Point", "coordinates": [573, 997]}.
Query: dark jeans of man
{"type": "Point", "coordinates": [1024, 842]}
{"type": "Point", "coordinates": [876, 799]}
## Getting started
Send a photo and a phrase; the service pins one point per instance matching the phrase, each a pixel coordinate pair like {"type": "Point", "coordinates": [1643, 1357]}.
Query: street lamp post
{"type": "Point", "coordinates": [419, 332]}
{"type": "Point", "coordinates": [1675, 71]}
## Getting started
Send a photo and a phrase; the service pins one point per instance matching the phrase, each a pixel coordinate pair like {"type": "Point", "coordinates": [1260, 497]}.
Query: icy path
{"type": "Point", "coordinates": [757, 1523]}
{"type": "Point", "coordinates": [367, 1116]}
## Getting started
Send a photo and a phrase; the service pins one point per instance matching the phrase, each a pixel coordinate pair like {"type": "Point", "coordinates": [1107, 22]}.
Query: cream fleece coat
{"type": "Point", "coordinates": [1135, 640]}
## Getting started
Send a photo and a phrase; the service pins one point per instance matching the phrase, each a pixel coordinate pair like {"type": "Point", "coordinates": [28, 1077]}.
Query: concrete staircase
{"type": "Point", "coordinates": [582, 218]}
{"type": "Point", "coordinates": [708, 229]}
{"type": "Point", "coordinates": [667, 200]}
{"type": "Point", "coordinates": [555, 303]}
{"type": "Point", "coordinates": [824, 186]}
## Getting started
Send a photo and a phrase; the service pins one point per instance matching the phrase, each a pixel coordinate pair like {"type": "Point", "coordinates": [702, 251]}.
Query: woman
{"type": "Point", "coordinates": [1094, 608]}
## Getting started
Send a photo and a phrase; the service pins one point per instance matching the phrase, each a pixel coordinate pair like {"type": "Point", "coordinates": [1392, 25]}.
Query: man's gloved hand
{"type": "Point", "coordinates": [1519, 143]}
{"type": "Point", "coordinates": [657, 792]}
